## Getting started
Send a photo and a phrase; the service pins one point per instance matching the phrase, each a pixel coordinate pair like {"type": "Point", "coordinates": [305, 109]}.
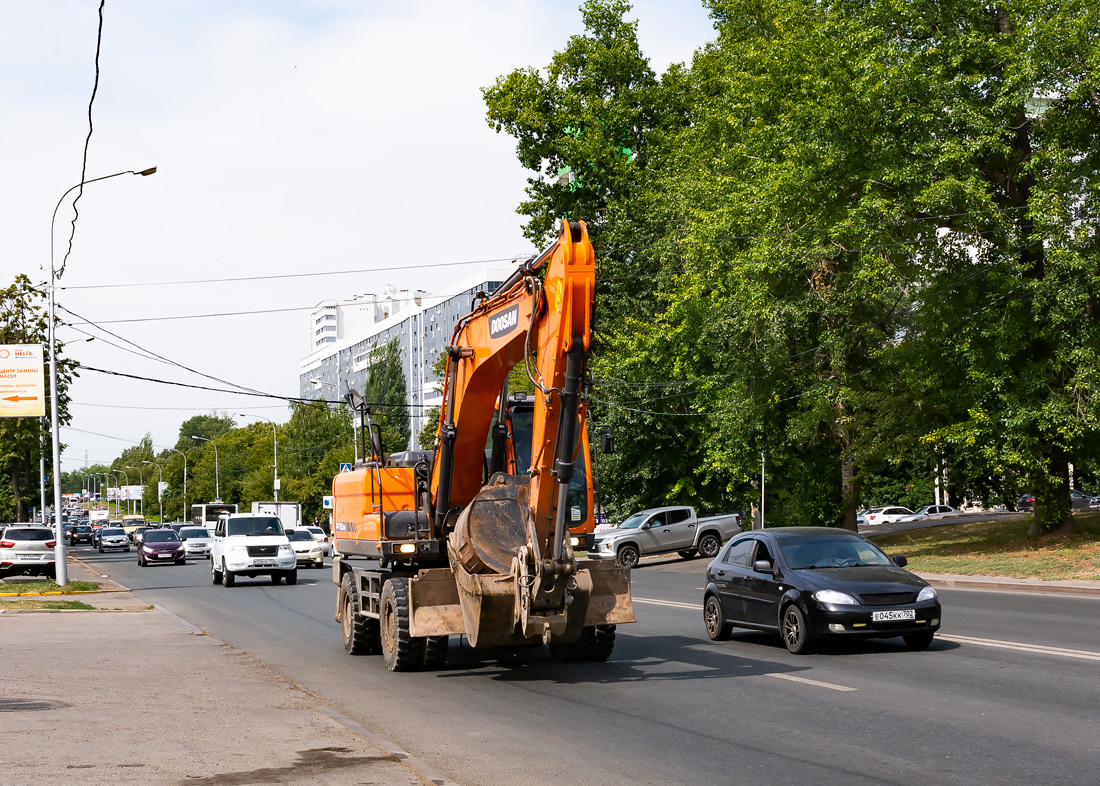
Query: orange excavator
{"type": "Point", "coordinates": [468, 540]}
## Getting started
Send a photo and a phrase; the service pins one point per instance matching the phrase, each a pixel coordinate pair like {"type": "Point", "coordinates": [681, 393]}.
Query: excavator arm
{"type": "Point", "coordinates": [507, 540]}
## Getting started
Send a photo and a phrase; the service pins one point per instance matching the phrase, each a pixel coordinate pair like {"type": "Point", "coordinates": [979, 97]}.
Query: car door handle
{"type": "Point", "coordinates": [723, 573]}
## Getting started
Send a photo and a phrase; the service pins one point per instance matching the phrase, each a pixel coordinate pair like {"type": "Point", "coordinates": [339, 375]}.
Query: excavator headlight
{"type": "Point", "coordinates": [574, 541]}
{"type": "Point", "coordinates": [407, 548]}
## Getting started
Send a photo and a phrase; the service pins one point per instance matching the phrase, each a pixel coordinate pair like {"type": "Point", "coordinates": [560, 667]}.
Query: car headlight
{"type": "Point", "coordinates": [238, 550]}
{"type": "Point", "coordinates": [284, 548]}
{"type": "Point", "coordinates": [835, 598]}
{"type": "Point", "coordinates": [928, 593]}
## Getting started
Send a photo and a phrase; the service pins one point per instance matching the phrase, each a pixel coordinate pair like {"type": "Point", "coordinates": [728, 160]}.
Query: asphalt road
{"type": "Point", "coordinates": [1008, 693]}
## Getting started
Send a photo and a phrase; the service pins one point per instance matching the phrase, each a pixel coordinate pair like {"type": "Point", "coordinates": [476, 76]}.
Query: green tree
{"type": "Point", "coordinates": [206, 426]}
{"type": "Point", "coordinates": [586, 116]}
{"type": "Point", "coordinates": [385, 394]}
{"type": "Point", "coordinates": [23, 320]}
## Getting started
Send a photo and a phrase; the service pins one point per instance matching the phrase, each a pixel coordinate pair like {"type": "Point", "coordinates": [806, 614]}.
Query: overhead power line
{"type": "Point", "coordinates": [275, 276]}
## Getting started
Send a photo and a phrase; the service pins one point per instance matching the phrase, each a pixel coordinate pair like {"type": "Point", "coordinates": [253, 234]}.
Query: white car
{"type": "Point", "coordinates": [196, 541]}
{"type": "Point", "coordinates": [27, 550]}
{"type": "Point", "coordinates": [928, 511]}
{"type": "Point", "coordinates": [308, 550]}
{"type": "Point", "coordinates": [317, 534]}
{"type": "Point", "coordinates": [888, 515]}
{"type": "Point", "coordinates": [861, 516]}
{"type": "Point", "coordinates": [249, 544]}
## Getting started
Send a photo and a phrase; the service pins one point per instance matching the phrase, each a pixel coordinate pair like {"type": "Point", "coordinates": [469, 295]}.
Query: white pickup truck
{"type": "Point", "coordinates": [659, 530]}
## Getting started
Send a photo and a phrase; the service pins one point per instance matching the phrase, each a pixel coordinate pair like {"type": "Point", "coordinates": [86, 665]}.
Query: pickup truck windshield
{"type": "Point", "coordinates": [634, 521]}
{"type": "Point", "coordinates": [260, 525]}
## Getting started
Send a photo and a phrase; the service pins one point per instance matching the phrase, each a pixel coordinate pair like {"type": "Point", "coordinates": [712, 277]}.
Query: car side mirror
{"type": "Point", "coordinates": [900, 561]}
{"type": "Point", "coordinates": [763, 566]}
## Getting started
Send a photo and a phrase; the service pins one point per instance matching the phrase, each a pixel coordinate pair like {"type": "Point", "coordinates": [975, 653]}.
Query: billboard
{"type": "Point", "coordinates": [22, 384]}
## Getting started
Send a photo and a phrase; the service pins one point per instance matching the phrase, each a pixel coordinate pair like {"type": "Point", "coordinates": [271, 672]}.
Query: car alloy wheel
{"type": "Point", "coordinates": [629, 556]}
{"type": "Point", "coordinates": [795, 634]}
{"type": "Point", "coordinates": [715, 620]}
{"type": "Point", "coordinates": [709, 545]}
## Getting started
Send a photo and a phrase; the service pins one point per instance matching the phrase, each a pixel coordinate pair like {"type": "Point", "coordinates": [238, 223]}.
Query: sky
{"type": "Point", "coordinates": [290, 137]}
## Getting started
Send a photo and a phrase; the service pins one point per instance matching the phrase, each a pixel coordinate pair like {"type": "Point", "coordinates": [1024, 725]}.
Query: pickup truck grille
{"type": "Point", "coordinates": [263, 551]}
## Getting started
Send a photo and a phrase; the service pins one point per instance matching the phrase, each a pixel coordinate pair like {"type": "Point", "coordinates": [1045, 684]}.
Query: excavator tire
{"type": "Point", "coordinates": [400, 650]}
{"type": "Point", "coordinates": [595, 644]}
{"type": "Point", "coordinates": [435, 651]}
{"type": "Point", "coordinates": [360, 633]}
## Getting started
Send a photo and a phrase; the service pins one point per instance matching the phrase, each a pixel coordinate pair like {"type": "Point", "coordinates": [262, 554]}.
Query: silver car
{"type": "Point", "coordinates": [196, 541]}
{"type": "Point", "coordinates": [113, 538]}
{"type": "Point", "coordinates": [27, 550]}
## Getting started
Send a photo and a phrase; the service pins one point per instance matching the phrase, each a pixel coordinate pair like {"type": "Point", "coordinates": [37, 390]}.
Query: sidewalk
{"type": "Point", "coordinates": [128, 694]}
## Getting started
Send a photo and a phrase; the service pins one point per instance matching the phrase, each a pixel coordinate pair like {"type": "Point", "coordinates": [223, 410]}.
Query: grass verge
{"type": "Point", "coordinates": [1001, 548]}
{"type": "Point", "coordinates": [49, 586]}
{"type": "Point", "coordinates": [36, 603]}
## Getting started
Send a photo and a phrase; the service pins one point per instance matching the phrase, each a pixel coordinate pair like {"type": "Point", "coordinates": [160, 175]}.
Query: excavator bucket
{"type": "Point", "coordinates": [499, 600]}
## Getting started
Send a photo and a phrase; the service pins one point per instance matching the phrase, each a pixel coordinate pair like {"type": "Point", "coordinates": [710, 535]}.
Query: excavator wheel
{"type": "Point", "coordinates": [360, 633]}
{"type": "Point", "coordinates": [435, 651]}
{"type": "Point", "coordinates": [400, 650]}
{"type": "Point", "coordinates": [595, 644]}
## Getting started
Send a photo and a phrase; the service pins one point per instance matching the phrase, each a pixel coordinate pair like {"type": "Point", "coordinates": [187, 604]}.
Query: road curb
{"type": "Point", "coordinates": [1011, 586]}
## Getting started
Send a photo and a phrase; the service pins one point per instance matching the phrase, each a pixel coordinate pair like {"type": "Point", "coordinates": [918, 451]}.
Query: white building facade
{"type": "Point", "coordinates": [421, 323]}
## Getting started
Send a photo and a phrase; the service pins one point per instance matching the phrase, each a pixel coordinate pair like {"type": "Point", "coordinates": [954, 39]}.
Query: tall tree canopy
{"type": "Point", "coordinates": [865, 241]}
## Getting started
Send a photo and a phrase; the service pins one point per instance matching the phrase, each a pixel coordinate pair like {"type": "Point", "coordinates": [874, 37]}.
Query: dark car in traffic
{"type": "Point", "coordinates": [161, 545]}
{"type": "Point", "coordinates": [813, 583]}
{"type": "Point", "coordinates": [82, 533]}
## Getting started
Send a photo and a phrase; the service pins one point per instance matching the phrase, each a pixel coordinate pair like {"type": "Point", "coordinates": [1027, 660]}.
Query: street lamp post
{"type": "Point", "coordinates": [62, 574]}
{"type": "Point", "coordinates": [275, 436]}
{"type": "Point", "coordinates": [354, 439]}
{"type": "Point", "coordinates": [186, 514]}
{"type": "Point", "coordinates": [160, 496]}
{"type": "Point", "coordinates": [141, 480]}
{"type": "Point", "coordinates": [217, 487]}
{"type": "Point", "coordinates": [122, 472]}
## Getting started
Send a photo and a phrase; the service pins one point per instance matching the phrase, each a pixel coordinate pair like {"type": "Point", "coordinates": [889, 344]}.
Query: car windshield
{"type": "Point", "coordinates": [259, 525]}
{"type": "Point", "coordinates": [316, 530]}
{"type": "Point", "coordinates": [83, 528]}
{"type": "Point", "coordinates": [194, 532]}
{"type": "Point", "coordinates": [160, 536]}
{"type": "Point", "coordinates": [829, 551]}
{"type": "Point", "coordinates": [110, 531]}
{"type": "Point", "coordinates": [298, 534]}
{"type": "Point", "coordinates": [29, 534]}
{"type": "Point", "coordinates": [634, 521]}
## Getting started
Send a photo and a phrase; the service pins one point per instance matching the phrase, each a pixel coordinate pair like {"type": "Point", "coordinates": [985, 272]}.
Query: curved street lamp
{"type": "Point", "coordinates": [141, 480]}
{"type": "Point", "coordinates": [217, 487]}
{"type": "Point", "coordinates": [315, 382]}
{"type": "Point", "coordinates": [160, 496]}
{"type": "Point", "coordinates": [62, 570]}
{"type": "Point", "coordinates": [186, 513]}
{"type": "Point", "coordinates": [275, 436]}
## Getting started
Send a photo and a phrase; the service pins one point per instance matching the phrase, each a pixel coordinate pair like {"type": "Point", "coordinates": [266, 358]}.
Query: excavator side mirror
{"type": "Point", "coordinates": [607, 441]}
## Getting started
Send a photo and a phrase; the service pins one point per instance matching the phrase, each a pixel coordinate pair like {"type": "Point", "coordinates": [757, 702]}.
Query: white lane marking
{"type": "Point", "coordinates": [792, 678]}
{"type": "Point", "coordinates": [1012, 645]}
{"type": "Point", "coordinates": [672, 603]}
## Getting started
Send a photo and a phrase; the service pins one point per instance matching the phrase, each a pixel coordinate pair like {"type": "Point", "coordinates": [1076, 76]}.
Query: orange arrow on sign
{"type": "Point", "coordinates": [21, 398]}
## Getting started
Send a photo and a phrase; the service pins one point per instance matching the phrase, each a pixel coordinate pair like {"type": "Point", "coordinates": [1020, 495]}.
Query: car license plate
{"type": "Point", "coordinates": [264, 563]}
{"type": "Point", "coordinates": [164, 556]}
{"type": "Point", "coordinates": [894, 615]}
{"type": "Point", "coordinates": [33, 557]}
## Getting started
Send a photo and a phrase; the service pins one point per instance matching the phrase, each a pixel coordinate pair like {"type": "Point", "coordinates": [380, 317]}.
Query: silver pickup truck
{"type": "Point", "coordinates": [659, 530]}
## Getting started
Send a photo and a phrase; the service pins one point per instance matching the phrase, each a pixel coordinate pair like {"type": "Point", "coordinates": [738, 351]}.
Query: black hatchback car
{"type": "Point", "coordinates": [810, 583]}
